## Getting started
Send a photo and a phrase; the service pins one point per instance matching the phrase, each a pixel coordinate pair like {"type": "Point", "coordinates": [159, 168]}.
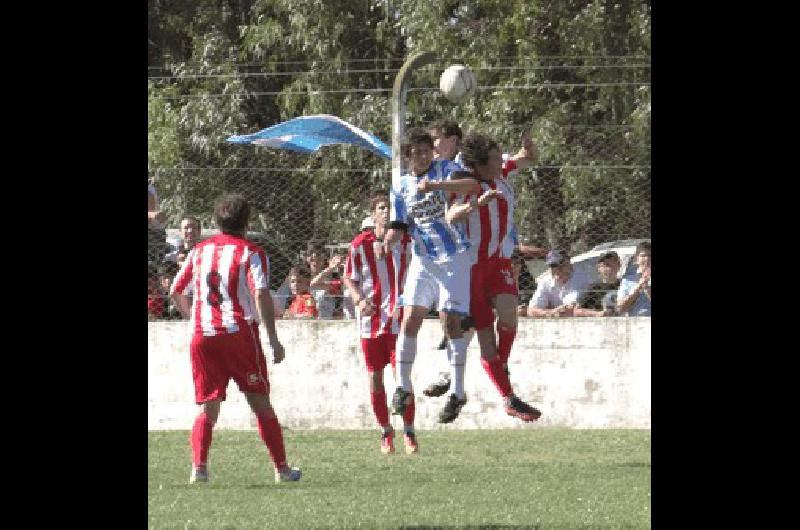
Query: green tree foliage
{"type": "Point", "coordinates": [235, 67]}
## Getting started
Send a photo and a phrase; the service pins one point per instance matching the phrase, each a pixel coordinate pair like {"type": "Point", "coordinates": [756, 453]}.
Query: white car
{"type": "Point", "coordinates": [587, 262]}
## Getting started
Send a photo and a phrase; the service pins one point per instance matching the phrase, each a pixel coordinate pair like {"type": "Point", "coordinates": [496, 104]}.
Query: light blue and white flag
{"type": "Point", "coordinates": [308, 133]}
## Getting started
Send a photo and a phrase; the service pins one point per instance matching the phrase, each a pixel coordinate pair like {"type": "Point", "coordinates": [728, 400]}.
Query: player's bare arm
{"type": "Point", "coordinates": [364, 305]}
{"type": "Point", "coordinates": [528, 153]}
{"type": "Point", "coordinates": [461, 186]}
{"type": "Point", "coordinates": [459, 212]}
{"type": "Point", "coordinates": [183, 303]}
{"type": "Point", "coordinates": [393, 235]}
{"type": "Point", "coordinates": [266, 311]}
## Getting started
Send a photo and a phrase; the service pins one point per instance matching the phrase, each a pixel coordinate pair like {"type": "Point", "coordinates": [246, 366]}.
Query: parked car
{"type": "Point", "coordinates": [587, 262]}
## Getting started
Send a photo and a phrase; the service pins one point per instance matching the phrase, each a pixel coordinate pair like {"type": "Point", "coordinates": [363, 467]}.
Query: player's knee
{"type": "Point", "coordinates": [508, 322]}
{"type": "Point", "coordinates": [453, 327]}
{"type": "Point", "coordinates": [211, 410]}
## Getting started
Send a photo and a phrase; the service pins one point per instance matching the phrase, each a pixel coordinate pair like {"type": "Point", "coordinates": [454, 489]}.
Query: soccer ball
{"type": "Point", "coordinates": [457, 82]}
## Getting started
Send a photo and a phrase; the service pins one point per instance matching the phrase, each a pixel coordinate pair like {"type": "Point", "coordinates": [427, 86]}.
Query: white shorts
{"type": "Point", "coordinates": [444, 284]}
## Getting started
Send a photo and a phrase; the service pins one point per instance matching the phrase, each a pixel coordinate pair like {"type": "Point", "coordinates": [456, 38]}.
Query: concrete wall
{"type": "Point", "coordinates": [582, 373]}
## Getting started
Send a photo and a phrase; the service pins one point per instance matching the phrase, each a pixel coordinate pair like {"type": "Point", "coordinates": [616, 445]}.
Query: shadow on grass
{"type": "Point", "coordinates": [470, 527]}
{"type": "Point", "coordinates": [634, 464]}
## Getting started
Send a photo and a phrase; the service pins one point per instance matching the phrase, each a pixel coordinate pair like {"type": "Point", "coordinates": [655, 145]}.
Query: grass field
{"type": "Point", "coordinates": [533, 478]}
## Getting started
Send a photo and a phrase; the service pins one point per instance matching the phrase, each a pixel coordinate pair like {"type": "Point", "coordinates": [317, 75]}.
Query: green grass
{"type": "Point", "coordinates": [543, 478]}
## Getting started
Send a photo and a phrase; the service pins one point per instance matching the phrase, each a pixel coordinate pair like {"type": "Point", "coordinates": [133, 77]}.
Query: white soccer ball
{"type": "Point", "coordinates": [457, 82]}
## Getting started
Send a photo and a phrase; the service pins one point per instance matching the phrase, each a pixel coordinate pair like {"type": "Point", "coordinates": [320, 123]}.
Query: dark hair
{"type": "Point", "coordinates": [447, 128]}
{"type": "Point", "coordinates": [607, 256]}
{"type": "Point", "coordinates": [231, 213]}
{"type": "Point", "coordinates": [300, 270]}
{"type": "Point", "coordinates": [376, 197]}
{"type": "Point", "coordinates": [192, 218]}
{"type": "Point", "coordinates": [644, 245]}
{"type": "Point", "coordinates": [415, 136]}
{"type": "Point", "coordinates": [475, 149]}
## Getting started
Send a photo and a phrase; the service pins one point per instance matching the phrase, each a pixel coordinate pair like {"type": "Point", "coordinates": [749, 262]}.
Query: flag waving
{"type": "Point", "coordinates": [308, 133]}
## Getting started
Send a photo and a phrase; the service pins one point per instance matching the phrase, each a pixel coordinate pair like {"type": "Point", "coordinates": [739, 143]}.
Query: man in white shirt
{"type": "Point", "coordinates": [557, 294]}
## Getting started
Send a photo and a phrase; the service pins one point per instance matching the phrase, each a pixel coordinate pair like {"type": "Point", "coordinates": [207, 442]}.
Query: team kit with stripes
{"type": "Point", "coordinates": [458, 268]}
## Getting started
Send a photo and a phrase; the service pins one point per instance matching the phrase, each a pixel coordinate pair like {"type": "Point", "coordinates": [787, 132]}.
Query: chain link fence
{"type": "Point", "coordinates": [591, 185]}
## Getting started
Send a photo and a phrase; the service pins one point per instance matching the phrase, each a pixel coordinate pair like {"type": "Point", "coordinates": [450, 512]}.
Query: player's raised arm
{"type": "Point", "coordinates": [528, 154]}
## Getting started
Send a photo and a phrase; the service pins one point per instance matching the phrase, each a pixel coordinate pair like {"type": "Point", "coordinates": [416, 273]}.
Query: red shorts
{"type": "Point", "coordinates": [489, 278]}
{"type": "Point", "coordinates": [218, 359]}
{"type": "Point", "coordinates": [379, 352]}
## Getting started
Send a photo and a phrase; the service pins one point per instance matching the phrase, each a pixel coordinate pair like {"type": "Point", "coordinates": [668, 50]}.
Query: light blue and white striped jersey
{"type": "Point", "coordinates": [424, 214]}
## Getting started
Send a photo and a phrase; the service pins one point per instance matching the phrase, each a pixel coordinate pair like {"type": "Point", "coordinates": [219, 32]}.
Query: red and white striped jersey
{"type": "Point", "coordinates": [222, 273]}
{"type": "Point", "coordinates": [490, 228]}
{"type": "Point", "coordinates": [380, 281]}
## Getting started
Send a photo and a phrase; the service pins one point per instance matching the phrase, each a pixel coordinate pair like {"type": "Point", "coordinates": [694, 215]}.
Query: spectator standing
{"type": "Point", "coordinates": [190, 230]}
{"type": "Point", "coordinates": [595, 300]}
{"type": "Point", "coordinates": [634, 296]}
{"type": "Point", "coordinates": [557, 294]}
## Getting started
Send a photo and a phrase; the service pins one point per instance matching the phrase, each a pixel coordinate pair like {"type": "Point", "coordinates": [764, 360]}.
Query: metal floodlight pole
{"type": "Point", "coordinates": [399, 93]}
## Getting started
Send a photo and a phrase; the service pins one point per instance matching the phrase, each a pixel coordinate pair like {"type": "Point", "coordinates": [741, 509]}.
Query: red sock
{"type": "Point", "coordinates": [201, 439]}
{"type": "Point", "coordinates": [379, 407]}
{"type": "Point", "coordinates": [504, 341]}
{"type": "Point", "coordinates": [494, 369]}
{"type": "Point", "coordinates": [408, 415]}
{"type": "Point", "coordinates": [270, 431]}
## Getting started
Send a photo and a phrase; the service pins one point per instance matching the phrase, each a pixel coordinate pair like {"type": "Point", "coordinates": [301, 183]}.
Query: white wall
{"type": "Point", "coordinates": [582, 373]}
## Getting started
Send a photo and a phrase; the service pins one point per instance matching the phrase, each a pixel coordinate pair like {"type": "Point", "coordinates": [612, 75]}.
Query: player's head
{"type": "Point", "coordinates": [379, 207]}
{"type": "Point", "coordinates": [190, 230]}
{"type": "Point", "coordinates": [608, 265]}
{"type": "Point", "coordinates": [417, 147]}
{"type": "Point", "coordinates": [482, 155]}
{"type": "Point", "coordinates": [299, 279]}
{"type": "Point", "coordinates": [231, 213]}
{"type": "Point", "coordinates": [446, 135]}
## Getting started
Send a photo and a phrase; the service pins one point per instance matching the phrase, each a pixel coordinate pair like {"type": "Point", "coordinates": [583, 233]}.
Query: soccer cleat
{"type": "Point", "coordinates": [412, 447]}
{"type": "Point", "coordinates": [288, 474]}
{"type": "Point", "coordinates": [387, 443]}
{"type": "Point", "coordinates": [400, 400]}
{"type": "Point", "coordinates": [519, 409]}
{"type": "Point", "coordinates": [451, 409]}
{"type": "Point", "coordinates": [199, 474]}
{"type": "Point", "coordinates": [438, 388]}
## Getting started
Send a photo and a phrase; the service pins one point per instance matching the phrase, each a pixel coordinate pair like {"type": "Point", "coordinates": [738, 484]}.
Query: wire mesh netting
{"type": "Point", "coordinates": [589, 186]}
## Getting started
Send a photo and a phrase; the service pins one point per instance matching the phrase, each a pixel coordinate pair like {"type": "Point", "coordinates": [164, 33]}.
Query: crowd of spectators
{"type": "Point", "coordinates": [313, 288]}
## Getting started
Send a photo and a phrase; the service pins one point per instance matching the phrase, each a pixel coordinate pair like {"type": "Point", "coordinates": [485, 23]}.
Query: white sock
{"type": "Point", "coordinates": [457, 362]}
{"type": "Point", "coordinates": [406, 350]}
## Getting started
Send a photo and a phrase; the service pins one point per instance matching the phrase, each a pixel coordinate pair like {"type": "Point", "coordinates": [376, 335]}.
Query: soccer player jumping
{"type": "Point", "coordinates": [375, 285]}
{"type": "Point", "coordinates": [491, 234]}
{"type": "Point", "coordinates": [439, 269]}
{"type": "Point", "coordinates": [220, 274]}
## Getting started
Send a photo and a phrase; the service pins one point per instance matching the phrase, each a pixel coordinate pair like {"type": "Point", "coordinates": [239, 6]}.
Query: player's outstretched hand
{"type": "Point", "coordinates": [278, 352]}
{"type": "Point", "coordinates": [488, 195]}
